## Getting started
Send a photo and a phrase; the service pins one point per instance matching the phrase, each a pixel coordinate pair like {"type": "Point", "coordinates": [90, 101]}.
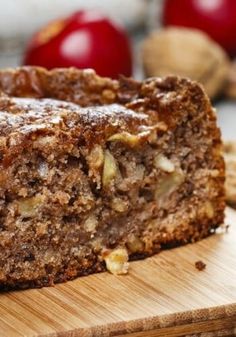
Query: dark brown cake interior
{"type": "Point", "coordinates": [134, 165]}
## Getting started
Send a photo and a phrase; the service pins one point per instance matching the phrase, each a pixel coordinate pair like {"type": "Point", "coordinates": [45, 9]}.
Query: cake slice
{"type": "Point", "coordinates": [95, 172]}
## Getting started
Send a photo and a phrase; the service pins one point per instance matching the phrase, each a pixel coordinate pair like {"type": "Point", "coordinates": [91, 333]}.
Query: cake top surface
{"type": "Point", "coordinates": [78, 105]}
{"type": "Point", "coordinates": [27, 115]}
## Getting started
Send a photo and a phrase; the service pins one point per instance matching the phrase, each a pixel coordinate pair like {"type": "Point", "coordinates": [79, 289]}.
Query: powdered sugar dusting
{"type": "Point", "coordinates": [26, 115]}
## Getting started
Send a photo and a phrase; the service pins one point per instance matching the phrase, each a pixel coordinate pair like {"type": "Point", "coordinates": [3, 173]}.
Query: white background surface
{"type": "Point", "coordinates": [226, 112]}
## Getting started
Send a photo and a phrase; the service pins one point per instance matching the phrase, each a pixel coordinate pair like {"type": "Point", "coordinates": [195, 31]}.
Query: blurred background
{"type": "Point", "coordinates": [140, 38]}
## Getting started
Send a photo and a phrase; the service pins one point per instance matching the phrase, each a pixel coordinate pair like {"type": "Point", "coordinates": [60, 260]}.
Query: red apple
{"type": "Point", "coordinates": [86, 39]}
{"type": "Point", "coordinates": [216, 17]}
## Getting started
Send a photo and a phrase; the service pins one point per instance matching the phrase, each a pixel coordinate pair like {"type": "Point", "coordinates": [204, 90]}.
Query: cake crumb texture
{"type": "Point", "coordinates": [96, 172]}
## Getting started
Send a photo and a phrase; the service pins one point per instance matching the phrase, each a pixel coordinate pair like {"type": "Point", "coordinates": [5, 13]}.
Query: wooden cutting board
{"type": "Point", "coordinates": [162, 296]}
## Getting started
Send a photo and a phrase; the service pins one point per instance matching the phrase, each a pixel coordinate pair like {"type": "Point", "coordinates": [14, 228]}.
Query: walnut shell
{"type": "Point", "coordinates": [186, 52]}
{"type": "Point", "coordinates": [230, 88]}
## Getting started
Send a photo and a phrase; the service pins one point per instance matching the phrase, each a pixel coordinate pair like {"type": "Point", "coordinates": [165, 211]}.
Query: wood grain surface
{"type": "Point", "coordinates": [162, 296]}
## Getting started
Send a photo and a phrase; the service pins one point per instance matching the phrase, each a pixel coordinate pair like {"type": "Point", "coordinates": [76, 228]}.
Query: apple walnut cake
{"type": "Point", "coordinates": [95, 172]}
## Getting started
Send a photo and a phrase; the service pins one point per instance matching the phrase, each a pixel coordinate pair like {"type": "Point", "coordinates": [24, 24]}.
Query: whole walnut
{"type": "Point", "coordinates": [186, 52]}
{"type": "Point", "coordinates": [230, 88]}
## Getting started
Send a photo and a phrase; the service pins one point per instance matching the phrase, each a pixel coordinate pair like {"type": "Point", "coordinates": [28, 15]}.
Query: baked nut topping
{"type": "Point", "coordinates": [135, 244]}
{"type": "Point", "coordinates": [119, 205]}
{"type": "Point", "coordinates": [109, 169]}
{"type": "Point", "coordinates": [117, 261]}
{"type": "Point", "coordinates": [128, 138]}
{"type": "Point", "coordinates": [96, 157]}
{"type": "Point", "coordinates": [90, 223]}
{"type": "Point", "coordinates": [168, 185]}
{"type": "Point", "coordinates": [28, 207]}
{"type": "Point", "coordinates": [209, 209]}
{"type": "Point", "coordinates": [164, 163]}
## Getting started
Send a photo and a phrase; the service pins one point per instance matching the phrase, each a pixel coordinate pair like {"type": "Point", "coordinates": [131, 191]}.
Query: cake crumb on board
{"type": "Point", "coordinates": [200, 265]}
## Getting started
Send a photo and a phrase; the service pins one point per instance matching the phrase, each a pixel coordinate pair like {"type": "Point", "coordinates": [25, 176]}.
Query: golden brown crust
{"type": "Point", "coordinates": [141, 103]}
{"type": "Point", "coordinates": [138, 104]}
{"type": "Point", "coordinates": [88, 89]}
